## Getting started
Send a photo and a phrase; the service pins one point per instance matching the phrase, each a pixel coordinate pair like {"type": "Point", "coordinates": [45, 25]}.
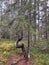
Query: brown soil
{"type": "Point", "coordinates": [18, 60]}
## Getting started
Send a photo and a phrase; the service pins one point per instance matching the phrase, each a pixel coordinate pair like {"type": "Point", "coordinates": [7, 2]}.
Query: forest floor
{"type": "Point", "coordinates": [19, 60]}
{"type": "Point", "coordinates": [9, 55]}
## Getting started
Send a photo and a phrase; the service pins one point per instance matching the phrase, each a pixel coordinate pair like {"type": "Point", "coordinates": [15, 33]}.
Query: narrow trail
{"type": "Point", "coordinates": [18, 60]}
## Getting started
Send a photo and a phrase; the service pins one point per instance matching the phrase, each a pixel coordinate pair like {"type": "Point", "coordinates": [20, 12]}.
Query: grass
{"type": "Point", "coordinates": [40, 58]}
{"type": "Point", "coordinates": [7, 48]}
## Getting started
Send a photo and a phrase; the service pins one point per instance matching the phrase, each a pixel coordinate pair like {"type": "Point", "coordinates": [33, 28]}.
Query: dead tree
{"type": "Point", "coordinates": [18, 40]}
{"type": "Point", "coordinates": [20, 37]}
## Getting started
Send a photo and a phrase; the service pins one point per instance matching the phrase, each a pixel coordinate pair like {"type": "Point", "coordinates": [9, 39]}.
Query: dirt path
{"type": "Point", "coordinates": [18, 60]}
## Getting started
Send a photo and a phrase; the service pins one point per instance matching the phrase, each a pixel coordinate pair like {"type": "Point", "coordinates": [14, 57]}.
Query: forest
{"type": "Point", "coordinates": [24, 31]}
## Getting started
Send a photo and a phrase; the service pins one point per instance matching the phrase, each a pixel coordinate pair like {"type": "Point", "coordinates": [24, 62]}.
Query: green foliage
{"type": "Point", "coordinates": [39, 57]}
{"type": "Point", "coordinates": [22, 21]}
{"type": "Point", "coordinates": [43, 45]}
